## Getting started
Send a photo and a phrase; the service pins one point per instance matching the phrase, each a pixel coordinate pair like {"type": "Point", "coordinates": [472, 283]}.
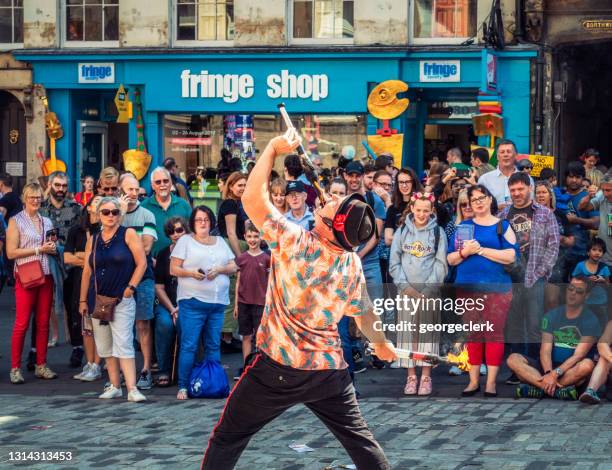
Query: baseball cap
{"type": "Point", "coordinates": [354, 222]}
{"type": "Point", "coordinates": [354, 167]}
{"type": "Point", "coordinates": [295, 186]}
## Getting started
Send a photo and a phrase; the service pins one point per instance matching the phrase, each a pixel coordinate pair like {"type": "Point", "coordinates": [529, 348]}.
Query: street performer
{"type": "Point", "coordinates": [315, 279]}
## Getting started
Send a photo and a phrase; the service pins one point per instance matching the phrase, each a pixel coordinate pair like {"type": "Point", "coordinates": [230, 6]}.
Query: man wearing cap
{"type": "Point", "coordinates": [315, 279]}
{"type": "Point", "coordinates": [370, 260]}
{"type": "Point", "coordinates": [298, 211]}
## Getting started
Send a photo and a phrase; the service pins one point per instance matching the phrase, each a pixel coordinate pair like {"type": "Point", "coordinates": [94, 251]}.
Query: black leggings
{"type": "Point", "coordinates": [266, 389]}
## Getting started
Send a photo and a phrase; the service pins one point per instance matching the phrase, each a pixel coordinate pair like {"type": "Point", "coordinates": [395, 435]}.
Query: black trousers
{"type": "Point", "coordinates": [267, 389]}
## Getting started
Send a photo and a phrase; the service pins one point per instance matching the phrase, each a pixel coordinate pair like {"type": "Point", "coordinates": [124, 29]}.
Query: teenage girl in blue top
{"type": "Point", "coordinates": [480, 272]}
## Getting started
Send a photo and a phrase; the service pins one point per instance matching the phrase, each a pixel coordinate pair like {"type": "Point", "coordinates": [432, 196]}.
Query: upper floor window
{"type": "Point", "coordinates": [92, 20]}
{"type": "Point", "coordinates": [204, 20]}
{"type": "Point", "coordinates": [11, 21]}
{"type": "Point", "coordinates": [443, 20]}
{"type": "Point", "coordinates": [323, 20]}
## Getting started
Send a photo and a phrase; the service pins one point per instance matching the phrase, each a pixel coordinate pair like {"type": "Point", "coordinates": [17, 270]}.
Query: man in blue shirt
{"type": "Point", "coordinates": [298, 211]}
{"type": "Point", "coordinates": [568, 335]}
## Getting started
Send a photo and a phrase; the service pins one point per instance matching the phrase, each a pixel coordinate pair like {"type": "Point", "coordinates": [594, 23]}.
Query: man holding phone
{"type": "Point", "coordinates": [143, 221]}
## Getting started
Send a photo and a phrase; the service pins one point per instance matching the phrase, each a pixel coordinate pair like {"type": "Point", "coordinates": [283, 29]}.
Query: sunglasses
{"type": "Point", "coordinates": [107, 212]}
{"type": "Point", "coordinates": [59, 185]}
{"type": "Point", "coordinates": [177, 230]}
{"type": "Point", "coordinates": [575, 289]}
{"type": "Point", "coordinates": [163, 181]}
{"type": "Point", "coordinates": [110, 189]}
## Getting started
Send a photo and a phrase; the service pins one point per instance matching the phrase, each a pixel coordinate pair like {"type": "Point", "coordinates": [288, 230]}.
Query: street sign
{"type": "Point", "coordinates": [124, 106]}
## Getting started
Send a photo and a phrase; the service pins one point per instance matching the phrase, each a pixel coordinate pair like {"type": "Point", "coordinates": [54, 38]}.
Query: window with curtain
{"type": "Point", "coordinates": [92, 20]}
{"type": "Point", "coordinates": [444, 18]}
{"type": "Point", "coordinates": [11, 21]}
{"type": "Point", "coordinates": [205, 20]}
{"type": "Point", "coordinates": [323, 19]}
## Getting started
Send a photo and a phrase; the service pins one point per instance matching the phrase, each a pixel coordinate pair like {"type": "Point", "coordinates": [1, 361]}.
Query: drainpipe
{"type": "Point", "coordinates": [519, 31]}
{"type": "Point", "coordinates": [539, 100]}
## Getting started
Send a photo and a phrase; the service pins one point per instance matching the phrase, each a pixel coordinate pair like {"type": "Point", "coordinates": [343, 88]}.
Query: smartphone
{"type": "Point", "coordinates": [463, 173]}
{"type": "Point", "coordinates": [51, 235]}
{"type": "Point", "coordinates": [87, 325]}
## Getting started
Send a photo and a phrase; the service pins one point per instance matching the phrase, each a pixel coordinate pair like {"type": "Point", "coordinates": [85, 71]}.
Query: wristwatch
{"type": "Point", "coordinates": [559, 372]}
{"type": "Point", "coordinates": [131, 287]}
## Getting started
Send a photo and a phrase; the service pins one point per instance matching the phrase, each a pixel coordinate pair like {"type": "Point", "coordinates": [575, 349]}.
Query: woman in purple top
{"type": "Point", "coordinates": [481, 276]}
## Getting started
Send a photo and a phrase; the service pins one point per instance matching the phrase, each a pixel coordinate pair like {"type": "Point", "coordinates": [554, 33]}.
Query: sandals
{"type": "Point", "coordinates": [163, 380]}
{"type": "Point", "coordinates": [182, 394]}
{"type": "Point", "coordinates": [411, 385]}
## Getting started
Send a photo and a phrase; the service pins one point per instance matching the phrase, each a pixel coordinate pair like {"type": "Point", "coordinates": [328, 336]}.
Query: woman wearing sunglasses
{"type": "Point", "coordinates": [166, 310]}
{"type": "Point", "coordinates": [116, 270]}
{"type": "Point", "coordinates": [25, 243]}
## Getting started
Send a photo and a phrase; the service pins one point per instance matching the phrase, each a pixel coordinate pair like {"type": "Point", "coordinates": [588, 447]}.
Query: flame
{"type": "Point", "coordinates": [460, 360]}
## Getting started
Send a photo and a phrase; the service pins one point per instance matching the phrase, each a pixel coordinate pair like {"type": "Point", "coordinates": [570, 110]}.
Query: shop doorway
{"type": "Point", "coordinates": [13, 139]}
{"type": "Point", "coordinates": [439, 138]}
{"type": "Point", "coordinates": [92, 147]}
{"type": "Point", "coordinates": [582, 96]}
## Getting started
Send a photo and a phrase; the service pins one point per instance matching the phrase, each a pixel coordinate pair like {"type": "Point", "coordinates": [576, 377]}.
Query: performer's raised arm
{"type": "Point", "coordinates": [256, 198]}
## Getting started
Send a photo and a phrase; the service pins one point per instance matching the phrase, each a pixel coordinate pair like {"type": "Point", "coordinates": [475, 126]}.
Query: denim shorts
{"type": "Point", "coordinates": [145, 298]}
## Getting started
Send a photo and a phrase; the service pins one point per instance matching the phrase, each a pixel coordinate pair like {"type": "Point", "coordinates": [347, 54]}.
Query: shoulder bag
{"type": "Point", "coordinates": [104, 309]}
{"type": "Point", "coordinates": [31, 273]}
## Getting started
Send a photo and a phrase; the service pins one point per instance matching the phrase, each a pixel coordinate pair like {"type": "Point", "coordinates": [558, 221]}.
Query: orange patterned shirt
{"type": "Point", "coordinates": [312, 285]}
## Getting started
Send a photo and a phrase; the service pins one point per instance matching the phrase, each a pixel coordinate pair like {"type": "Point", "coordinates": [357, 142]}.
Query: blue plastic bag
{"type": "Point", "coordinates": [208, 380]}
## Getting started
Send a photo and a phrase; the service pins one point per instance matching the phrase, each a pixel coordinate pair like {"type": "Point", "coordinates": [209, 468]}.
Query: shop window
{"type": "Point", "coordinates": [322, 20]}
{"type": "Point", "coordinates": [11, 21]}
{"type": "Point", "coordinates": [443, 20]}
{"type": "Point", "coordinates": [204, 20]}
{"type": "Point", "coordinates": [92, 21]}
{"type": "Point", "coordinates": [196, 140]}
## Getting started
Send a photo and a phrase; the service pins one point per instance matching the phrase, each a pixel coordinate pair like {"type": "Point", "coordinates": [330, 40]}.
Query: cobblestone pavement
{"type": "Point", "coordinates": [440, 432]}
{"type": "Point", "coordinates": [415, 433]}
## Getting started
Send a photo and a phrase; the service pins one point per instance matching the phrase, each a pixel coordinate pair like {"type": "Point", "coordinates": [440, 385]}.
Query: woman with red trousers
{"type": "Point", "coordinates": [26, 243]}
{"type": "Point", "coordinates": [481, 276]}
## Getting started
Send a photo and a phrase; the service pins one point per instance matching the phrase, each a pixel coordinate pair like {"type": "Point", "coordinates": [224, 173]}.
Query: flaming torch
{"type": "Point", "coordinates": [460, 360]}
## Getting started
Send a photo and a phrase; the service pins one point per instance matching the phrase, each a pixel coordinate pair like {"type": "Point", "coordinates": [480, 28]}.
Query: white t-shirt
{"type": "Point", "coordinates": [196, 255]}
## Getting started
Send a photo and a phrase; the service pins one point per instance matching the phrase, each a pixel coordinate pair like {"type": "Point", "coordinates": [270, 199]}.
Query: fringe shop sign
{"type": "Point", "coordinates": [232, 87]}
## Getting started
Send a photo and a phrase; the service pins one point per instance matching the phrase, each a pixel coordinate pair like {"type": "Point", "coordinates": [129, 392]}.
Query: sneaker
{"type": "Point", "coordinates": [93, 373]}
{"type": "Point", "coordinates": [483, 369]}
{"type": "Point", "coordinates": [76, 358]}
{"type": "Point", "coordinates": [377, 363]}
{"type": "Point", "coordinates": [238, 373]}
{"type": "Point", "coordinates": [513, 380]}
{"type": "Point", "coordinates": [111, 392]}
{"type": "Point", "coordinates": [31, 363]}
{"type": "Point", "coordinates": [411, 385]}
{"type": "Point", "coordinates": [395, 364]}
{"type": "Point", "coordinates": [135, 396]}
{"type": "Point", "coordinates": [80, 375]}
{"type": "Point", "coordinates": [590, 397]}
{"type": "Point", "coordinates": [454, 370]}
{"type": "Point", "coordinates": [43, 372]}
{"type": "Point", "coordinates": [528, 391]}
{"type": "Point", "coordinates": [145, 382]}
{"type": "Point", "coordinates": [566, 393]}
{"type": "Point", "coordinates": [16, 376]}
{"type": "Point", "coordinates": [425, 386]}
{"type": "Point", "coordinates": [121, 381]}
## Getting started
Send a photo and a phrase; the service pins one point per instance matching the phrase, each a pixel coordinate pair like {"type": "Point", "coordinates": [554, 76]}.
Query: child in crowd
{"type": "Point", "coordinates": [418, 267]}
{"type": "Point", "coordinates": [251, 286]}
{"type": "Point", "coordinates": [597, 272]}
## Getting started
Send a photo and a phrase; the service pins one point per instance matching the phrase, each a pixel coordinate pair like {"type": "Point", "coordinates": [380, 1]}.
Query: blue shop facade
{"type": "Point", "coordinates": [195, 104]}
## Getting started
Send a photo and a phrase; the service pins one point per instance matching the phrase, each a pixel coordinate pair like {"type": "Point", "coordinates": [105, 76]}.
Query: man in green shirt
{"type": "Point", "coordinates": [163, 204]}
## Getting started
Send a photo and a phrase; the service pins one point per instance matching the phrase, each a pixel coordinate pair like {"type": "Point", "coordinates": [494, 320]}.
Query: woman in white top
{"type": "Point", "coordinates": [26, 243]}
{"type": "Point", "coordinates": [202, 263]}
